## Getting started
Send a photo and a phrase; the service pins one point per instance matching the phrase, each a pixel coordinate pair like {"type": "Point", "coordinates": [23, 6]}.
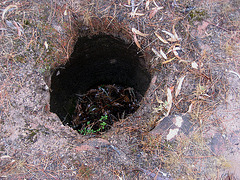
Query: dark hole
{"type": "Point", "coordinates": [104, 80]}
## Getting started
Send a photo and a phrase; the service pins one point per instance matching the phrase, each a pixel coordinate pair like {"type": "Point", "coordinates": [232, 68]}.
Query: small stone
{"type": "Point", "coordinates": [173, 125]}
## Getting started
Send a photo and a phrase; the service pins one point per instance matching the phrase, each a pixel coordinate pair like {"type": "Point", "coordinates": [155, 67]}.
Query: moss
{"type": "Point", "coordinates": [84, 172]}
{"type": "Point", "coordinates": [45, 131]}
{"type": "Point", "coordinates": [197, 15]}
{"type": "Point", "coordinates": [2, 148]}
{"type": "Point", "coordinates": [31, 137]}
{"type": "Point", "coordinates": [20, 58]}
{"type": "Point", "coordinates": [26, 22]}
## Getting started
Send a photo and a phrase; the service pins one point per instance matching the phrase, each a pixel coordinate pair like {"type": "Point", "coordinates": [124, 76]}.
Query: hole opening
{"type": "Point", "coordinates": [103, 81]}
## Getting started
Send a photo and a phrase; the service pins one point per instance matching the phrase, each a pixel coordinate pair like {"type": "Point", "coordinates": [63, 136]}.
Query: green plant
{"type": "Point", "coordinates": [197, 15]}
{"type": "Point", "coordinates": [84, 172]}
{"type": "Point", "coordinates": [103, 118]}
{"type": "Point", "coordinates": [162, 107]}
{"type": "Point", "coordinates": [89, 128]}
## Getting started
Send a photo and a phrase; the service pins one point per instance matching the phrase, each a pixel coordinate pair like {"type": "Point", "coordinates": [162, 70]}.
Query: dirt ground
{"type": "Point", "coordinates": [192, 49]}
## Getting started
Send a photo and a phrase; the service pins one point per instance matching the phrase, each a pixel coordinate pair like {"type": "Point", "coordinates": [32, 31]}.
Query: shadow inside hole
{"type": "Point", "coordinates": [96, 61]}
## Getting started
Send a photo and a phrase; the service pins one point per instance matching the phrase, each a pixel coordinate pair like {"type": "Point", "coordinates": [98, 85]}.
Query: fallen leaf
{"type": "Point", "coordinates": [135, 31]}
{"type": "Point", "coordinates": [174, 33]}
{"type": "Point", "coordinates": [160, 38]}
{"type": "Point", "coordinates": [169, 101]}
{"type": "Point", "coordinates": [165, 62]}
{"type": "Point", "coordinates": [175, 46]}
{"type": "Point", "coordinates": [168, 33]}
{"type": "Point", "coordinates": [163, 54]}
{"type": "Point", "coordinates": [157, 5]}
{"type": "Point", "coordinates": [234, 73]}
{"type": "Point", "coordinates": [46, 44]}
{"type": "Point", "coordinates": [194, 65]}
{"type": "Point", "coordinates": [154, 11]}
{"type": "Point", "coordinates": [156, 53]}
{"type": "Point", "coordinates": [170, 49]}
{"type": "Point", "coordinates": [5, 157]}
{"type": "Point", "coordinates": [19, 28]}
{"type": "Point", "coordinates": [190, 108]}
{"type": "Point", "coordinates": [7, 9]}
{"type": "Point", "coordinates": [175, 49]}
{"type": "Point", "coordinates": [147, 4]}
{"type": "Point", "coordinates": [183, 61]}
{"type": "Point", "coordinates": [173, 38]}
{"type": "Point", "coordinates": [65, 13]}
{"type": "Point", "coordinates": [10, 24]}
{"type": "Point", "coordinates": [136, 14]}
{"type": "Point", "coordinates": [179, 85]}
{"type": "Point", "coordinates": [136, 41]}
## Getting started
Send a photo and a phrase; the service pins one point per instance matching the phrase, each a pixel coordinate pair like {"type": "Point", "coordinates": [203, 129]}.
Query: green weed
{"type": "Point", "coordinates": [89, 128]}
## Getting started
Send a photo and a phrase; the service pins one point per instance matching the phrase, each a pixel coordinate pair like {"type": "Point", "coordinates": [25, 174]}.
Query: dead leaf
{"type": "Point", "coordinates": [233, 73]}
{"type": "Point", "coordinates": [165, 62]}
{"type": "Point", "coordinates": [183, 61]}
{"type": "Point", "coordinates": [19, 28]}
{"type": "Point", "coordinates": [157, 5]}
{"type": "Point", "coordinates": [174, 33]}
{"type": "Point", "coordinates": [154, 11]}
{"type": "Point", "coordinates": [5, 157]}
{"type": "Point", "coordinates": [175, 49]}
{"type": "Point", "coordinates": [10, 24]}
{"type": "Point", "coordinates": [160, 38]}
{"type": "Point", "coordinates": [173, 36]}
{"type": "Point", "coordinates": [3, 29]}
{"type": "Point", "coordinates": [170, 49]}
{"type": "Point", "coordinates": [163, 54]}
{"type": "Point", "coordinates": [136, 41]}
{"type": "Point", "coordinates": [169, 101]}
{"type": "Point", "coordinates": [7, 9]}
{"type": "Point", "coordinates": [65, 13]}
{"type": "Point", "coordinates": [190, 108]}
{"type": "Point", "coordinates": [194, 65]}
{"type": "Point", "coordinates": [147, 4]}
{"type": "Point", "coordinates": [179, 85]}
{"type": "Point", "coordinates": [136, 14]}
{"type": "Point", "coordinates": [172, 39]}
{"type": "Point", "coordinates": [135, 31]}
{"type": "Point", "coordinates": [160, 54]}
{"type": "Point", "coordinates": [170, 34]}
{"type": "Point", "coordinates": [46, 44]}
{"type": "Point", "coordinates": [156, 53]}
